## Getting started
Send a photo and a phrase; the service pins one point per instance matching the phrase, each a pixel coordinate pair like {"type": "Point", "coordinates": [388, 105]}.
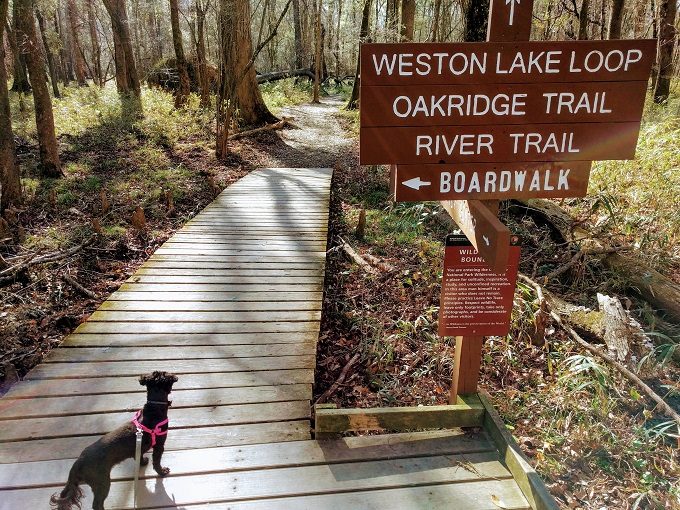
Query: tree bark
{"type": "Point", "coordinates": [65, 69]}
{"type": "Point", "coordinates": [667, 38]}
{"type": "Point", "coordinates": [476, 18]}
{"type": "Point", "coordinates": [20, 82]}
{"type": "Point", "coordinates": [183, 90]}
{"type": "Point", "coordinates": [10, 183]}
{"type": "Point", "coordinates": [318, 67]}
{"type": "Point", "coordinates": [583, 20]}
{"type": "Point", "coordinates": [78, 60]}
{"type": "Point", "coordinates": [392, 20]}
{"type": "Point", "coordinates": [127, 79]}
{"type": "Point", "coordinates": [48, 54]}
{"type": "Point", "coordinates": [616, 19]}
{"type": "Point", "coordinates": [408, 15]}
{"type": "Point", "coordinates": [297, 29]}
{"type": "Point", "coordinates": [44, 119]}
{"type": "Point", "coordinates": [238, 80]}
{"type": "Point", "coordinates": [94, 41]}
{"type": "Point", "coordinates": [353, 102]}
{"type": "Point", "coordinates": [434, 37]}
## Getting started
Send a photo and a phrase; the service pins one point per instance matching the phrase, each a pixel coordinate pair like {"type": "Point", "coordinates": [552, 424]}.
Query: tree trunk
{"type": "Point", "coordinates": [44, 119]}
{"type": "Point", "coordinates": [20, 82]}
{"type": "Point", "coordinates": [183, 90]}
{"type": "Point", "coordinates": [408, 15]}
{"type": "Point", "coordinates": [201, 54]}
{"type": "Point", "coordinates": [434, 34]}
{"type": "Point", "coordinates": [238, 81]}
{"type": "Point", "coordinates": [392, 20]}
{"type": "Point", "coordinates": [337, 41]}
{"type": "Point", "coordinates": [65, 70]}
{"type": "Point", "coordinates": [94, 41]}
{"type": "Point", "coordinates": [476, 18]}
{"type": "Point", "coordinates": [616, 19]}
{"type": "Point", "coordinates": [127, 79]}
{"type": "Point", "coordinates": [667, 37]}
{"type": "Point", "coordinates": [318, 67]}
{"type": "Point", "coordinates": [48, 54]}
{"type": "Point", "coordinates": [353, 102]}
{"type": "Point", "coordinates": [297, 29]}
{"type": "Point", "coordinates": [583, 20]}
{"type": "Point", "coordinates": [78, 60]}
{"type": "Point", "coordinates": [10, 183]}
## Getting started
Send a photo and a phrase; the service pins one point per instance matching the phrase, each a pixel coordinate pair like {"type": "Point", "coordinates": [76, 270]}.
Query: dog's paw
{"type": "Point", "coordinates": [163, 471]}
{"type": "Point", "coordinates": [143, 461]}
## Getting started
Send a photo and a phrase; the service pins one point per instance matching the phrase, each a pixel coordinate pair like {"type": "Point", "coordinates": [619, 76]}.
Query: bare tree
{"type": "Point", "coordinates": [48, 54]}
{"type": "Point", "coordinates": [78, 59]}
{"type": "Point", "coordinates": [201, 8]}
{"type": "Point", "coordinates": [392, 20]}
{"type": "Point", "coordinates": [408, 15]}
{"type": "Point", "coordinates": [353, 102]}
{"type": "Point", "coordinates": [616, 19]}
{"type": "Point", "coordinates": [20, 82]}
{"type": "Point", "coordinates": [318, 66]}
{"type": "Point", "coordinates": [435, 20]}
{"type": "Point", "coordinates": [667, 40]}
{"type": "Point", "coordinates": [475, 13]}
{"type": "Point", "coordinates": [127, 79]}
{"type": "Point", "coordinates": [94, 41]}
{"type": "Point", "coordinates": [183, 90]}
{"type": "Point", "coordinates": [297, 30]}
{"type": "Point", "coordinates": [239, 91]}
{"type": "Point", "coordinates": [583, 20]}
{"type": "Point", "coordinates": [10, 183]}
{"type": "Point", "coordinates": [44, 119]}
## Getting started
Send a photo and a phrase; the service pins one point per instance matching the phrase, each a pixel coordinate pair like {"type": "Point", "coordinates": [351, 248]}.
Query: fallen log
{"type": "Point", "coordinates": [657, 290]}
{"type": "Point", "coordinates": [79, 287]}
{"type": "Point", "coordinates": [634, 379]}
{"type": "Point", "coordinates": [269, 127]}
{"type": "Point", "coordinates": [282, 75]}
{"type": "Point", "coordinates": [349, 251]}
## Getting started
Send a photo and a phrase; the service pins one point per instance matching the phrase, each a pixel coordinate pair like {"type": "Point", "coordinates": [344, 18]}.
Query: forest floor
{"type": "Point", "coordinates": [590, 434]}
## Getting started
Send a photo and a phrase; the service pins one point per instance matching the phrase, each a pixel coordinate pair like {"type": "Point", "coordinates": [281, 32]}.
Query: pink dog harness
{"type": "Point", "coordinates": [156, 430]}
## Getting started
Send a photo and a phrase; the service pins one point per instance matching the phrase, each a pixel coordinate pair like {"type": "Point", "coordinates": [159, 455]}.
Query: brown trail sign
{"type": "Point", "coordinates": [465, 122]}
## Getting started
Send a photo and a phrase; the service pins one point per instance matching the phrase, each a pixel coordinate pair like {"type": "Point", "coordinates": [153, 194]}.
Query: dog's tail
{"type": "Point", "coordinates": [69, 497]}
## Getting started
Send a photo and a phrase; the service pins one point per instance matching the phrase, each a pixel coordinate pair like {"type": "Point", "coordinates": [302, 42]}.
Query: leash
{"type": "Point", "coordinates": [138, 460]}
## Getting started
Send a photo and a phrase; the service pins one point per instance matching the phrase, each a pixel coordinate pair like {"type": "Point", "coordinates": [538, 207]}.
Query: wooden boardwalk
{"type": "Point", "coordinates": [231, 304]}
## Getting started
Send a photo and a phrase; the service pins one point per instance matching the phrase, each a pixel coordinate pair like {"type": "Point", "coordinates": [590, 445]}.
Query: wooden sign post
{"type": "Point", "coordinates": [472, 123]}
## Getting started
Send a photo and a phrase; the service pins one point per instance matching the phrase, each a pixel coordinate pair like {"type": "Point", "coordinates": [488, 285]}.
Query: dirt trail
{"type": "Point", "coordinates": [316, 140]}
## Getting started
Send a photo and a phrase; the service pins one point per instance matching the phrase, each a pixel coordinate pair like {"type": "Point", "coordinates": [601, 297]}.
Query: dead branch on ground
{"type": "Point", "coordinates": [269, 127]}
{"type": "Point", "coordinates": [338, 381]}
{"type": "Point", "coordinates": [79, 287]}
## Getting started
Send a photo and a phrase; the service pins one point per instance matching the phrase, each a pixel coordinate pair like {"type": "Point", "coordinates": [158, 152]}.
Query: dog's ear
{"type": "Point", "coordinates": [147, 378]}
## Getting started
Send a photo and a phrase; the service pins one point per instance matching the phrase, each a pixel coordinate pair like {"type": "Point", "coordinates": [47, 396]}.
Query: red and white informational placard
{"type": "Point", "coordinates": [475, 301]}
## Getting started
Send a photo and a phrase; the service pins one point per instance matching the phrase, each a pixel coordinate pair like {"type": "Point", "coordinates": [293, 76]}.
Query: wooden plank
{"type": "Point", "coordinates": [305, 245]}
{"type": "Point", "coordinates": [475, 495]}
{"type": "Point", "coordinates": [210, 306]}
{"type": "Point", "coordinates": [131, 402]}
{"type": "Point", "coordinates": [226, 250]}
{"type": "Point", "coordinates": [214, 297]}
{"type": "Point", "coordinates": [335, 421]}
{"type": "Point", "coordinates": [180, 366]}
{"type": "Point", "coordinates": [197, 327]}
{"type": "Point", "coordinates": [249, 485]}
{"type": "Point", "coordinates": [202, 271]}
{"type": "Point", "coordinates": [224, 279]}
{"type": "Point", "coordinates": [180, 439]}
{"type": "Point", "coordinates": [97, 424]}
{"type": "Point", "coordinates": [37, 388]}
{"type": "Point", "coordinates": [528, 480]}
{"type": "Point", "coordinates": [72, 353]}
{"type": "Point", "coordinates": [498, 143]}
{"type": "Point", "coordinates": [213, 246]}
{"type": "Point", "coordinates": [223, 288]}
{"type": "Point", "coordinates": [459, 66]}
{"type": "Point", "coordinates": [188, 339]}
{"type": "Point", "coordinates": [180, 263]}
{"type": "Point", "coordinates": [240, 317]}
{"type": "Point", "coordinates": [272, 455]}
{"type": "Point", "coordinates": [252, 261]}
{"type": "Point", "coordinates": [489, 104]}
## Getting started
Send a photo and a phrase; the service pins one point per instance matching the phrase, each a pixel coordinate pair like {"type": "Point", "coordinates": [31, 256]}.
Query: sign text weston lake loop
{"type": "Point", "coordinates": [511, 62]}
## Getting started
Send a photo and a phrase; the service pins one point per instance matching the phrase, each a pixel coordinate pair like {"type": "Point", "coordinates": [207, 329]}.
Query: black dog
{"type": "Point", "coordinates": [94, 465]}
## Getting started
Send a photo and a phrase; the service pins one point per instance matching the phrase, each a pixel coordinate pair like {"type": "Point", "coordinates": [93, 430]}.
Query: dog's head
{"type": "Point", "coordinates": [158, 384]}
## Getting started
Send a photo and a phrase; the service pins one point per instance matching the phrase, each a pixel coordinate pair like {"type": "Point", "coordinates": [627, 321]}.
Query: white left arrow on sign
{"type": "Point", "coordinates": [416, 183]}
